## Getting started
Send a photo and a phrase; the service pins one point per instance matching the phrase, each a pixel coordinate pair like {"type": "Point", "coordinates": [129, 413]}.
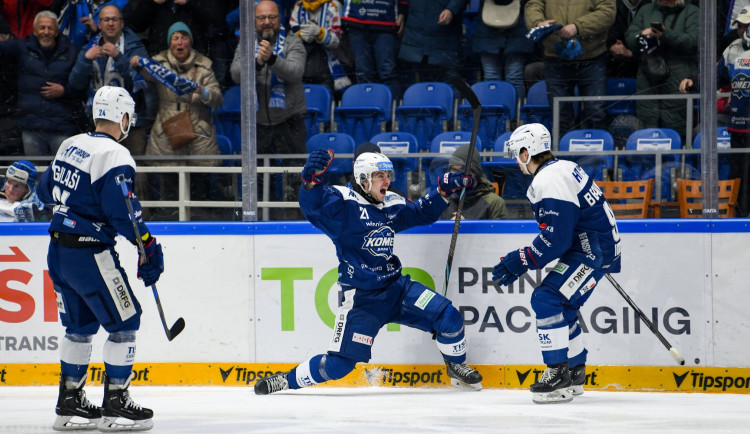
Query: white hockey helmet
{"type": "Point", "coordinates": [367, 164]}
{"type": "Point", "coordinates": [113, 103]}
{"type": "Point", "coordinates": [535, 138]}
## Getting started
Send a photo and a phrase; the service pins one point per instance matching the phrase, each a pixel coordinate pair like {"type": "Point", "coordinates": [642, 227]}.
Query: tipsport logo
{"type": "Point", "coordinates": [238, 375]}
{"type": "Point", "coordinates": [710, 383]}
{"type": "Point", "coordinates": [392, 377]}
{"type": "Point", "coordinates": [380, 242]}
{"type": "Point", "coordinates": [591, 377]}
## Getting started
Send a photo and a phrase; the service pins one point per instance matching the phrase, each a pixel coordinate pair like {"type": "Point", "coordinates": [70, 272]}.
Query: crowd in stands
{"type": "Point", "coordinates": [178, 56]}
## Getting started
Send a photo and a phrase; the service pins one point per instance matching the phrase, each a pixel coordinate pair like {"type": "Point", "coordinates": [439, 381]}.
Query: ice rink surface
{"type": "Point", "coordinates": [207, 410]}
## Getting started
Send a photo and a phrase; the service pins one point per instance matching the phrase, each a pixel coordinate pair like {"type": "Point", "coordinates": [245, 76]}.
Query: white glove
{"type": "Point", "coordinates": [309, 32]}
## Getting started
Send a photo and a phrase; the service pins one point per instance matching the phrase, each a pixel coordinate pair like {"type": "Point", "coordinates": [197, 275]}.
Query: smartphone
{"type": "Point", "coordinates": [657, 26]}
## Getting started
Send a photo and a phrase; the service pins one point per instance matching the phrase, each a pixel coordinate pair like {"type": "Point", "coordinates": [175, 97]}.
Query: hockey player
{"type": "Point", "coordinates": [91, 287]}
{"type": "Point", "coordinates": [578, 228]}
{"type": "Point", "coordinates": [17, 193]}
{"type": "Point", "coordinates": [362, 222]}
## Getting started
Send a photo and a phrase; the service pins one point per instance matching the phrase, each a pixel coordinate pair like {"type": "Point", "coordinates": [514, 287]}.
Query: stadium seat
{"type": "Point", "coordinates": [637, 167]}
{"type": "Point", "coordinates": [498, 99]}
{"type": "Point", "coordinates": [225, 148]}
{"type": "Point", "coordinates": [318, 115]}
{"type": "Point", "coordinates": [445, 143]}
{"type": "Point", "coordinates": [340, 143]}
{"type": "Point", "coordinates": [395, 143]}
{"type": "Point", "coordinates": [364, 110]}
{"type": "Point", "coordinates": [722, 142]}
{"type": "Point", "coordinates": [227, 118]}
{"type": "Point", "coordinates": [628, 199]}
{"type": "Point", "coordinates": [425, 111]}
{"type": "Point", "coordinates": [537, 108]}
{"type": "Point", "coordinates": [591, 141]}
{"type": "Point", "coordinates": [621, 86]}
{"type": "Point", "coordinates": [690, 195]}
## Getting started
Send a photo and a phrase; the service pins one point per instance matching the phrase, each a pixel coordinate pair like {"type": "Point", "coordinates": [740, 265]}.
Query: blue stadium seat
{"type": "Point", "coordinates": [225, 148]}
{"type": "Point", "coordinates": [636, 167]}
{"type": "Point", "coordinates": [340, 143]}
{"type": "Point", "coordinates": [592, 141]}
{"type": "Point", "coordinates": [537, 108]}
{"type": "Point", "coordinates": [445, 143]}
{"type": "Point", "coordinates": [621, 86]}
{"type": "Point", "coordinates": [364, 107]}
{"type": "Point", "coordinates": [318, 115]}
{"type": "Point", "coordinates": [425, 107]}
{"type": "Point", "coordinates": [398, 142]}
{"type": "Point", "coordinates": [499, 101]}
{"type": "Point", "coordinates": [723, 139]}
{"type": "Point", "coordinates": [227, 118]}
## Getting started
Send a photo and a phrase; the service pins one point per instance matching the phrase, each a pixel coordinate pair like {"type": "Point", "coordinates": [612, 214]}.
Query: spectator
{"type": "Point", "coordinates": [279, 66]}
{"type": "Point", "coordinates": [678, 44]}
{"type": "Point", "coordinates": [10, 139]}
{"type": "Point", "coordinates": [504, 52]}
{"type": "Point", "coordinates": [156, 16]}
{"type": "Point", "coordinates": [21, 15]}
{"type": "Point", "coordinates": [481, 202]}
{"type": "Point", "coordinates": [575, 54]}
{"type": "Point", "coordinates": [47, 106]}
{"type": "Point", "coordinates": [318, 25]}
{"type": "Point", "coordinates": [733, 69]}
{"type": "Point", "coordinates": [374, 30]}
{"type": "Point", "coordinates": [181, 62]}
{"type": "Point", "coordinates": [18, 193]}
{"type": "Point", "coordinates": [431, 45]}
{"type": "Point", "coordinates": [622, 62]}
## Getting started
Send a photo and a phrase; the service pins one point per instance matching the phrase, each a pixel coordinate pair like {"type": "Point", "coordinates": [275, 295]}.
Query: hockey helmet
{"type": "Point", "coordinates": [113, 103]}
{"type": "Point", "coordinates": [535, 138]}
{"type": "Point", "coordinates": [367, 164]}
{"type": "Point", "coordinates": [24, 172]}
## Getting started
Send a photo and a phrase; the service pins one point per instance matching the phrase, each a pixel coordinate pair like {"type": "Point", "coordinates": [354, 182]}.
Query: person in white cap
{"type": "Point", "coordinates": [17, 193]}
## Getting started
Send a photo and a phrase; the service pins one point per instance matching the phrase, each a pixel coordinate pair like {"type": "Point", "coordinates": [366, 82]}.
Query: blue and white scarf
{"type": "Point", "coordinates": [166, 77]}
{"type": "Point", "coordinates": [278, 93]}
{"type": "Point", "coordinates": [321, 18]}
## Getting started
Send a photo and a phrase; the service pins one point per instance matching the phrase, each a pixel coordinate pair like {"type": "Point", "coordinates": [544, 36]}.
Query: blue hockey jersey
{"type": "Point", "coordinates": [363, 233]}
{"type": "Point", "coordinates": [82, 183]}
{"type": "Point", "coordinates": [573, 216]}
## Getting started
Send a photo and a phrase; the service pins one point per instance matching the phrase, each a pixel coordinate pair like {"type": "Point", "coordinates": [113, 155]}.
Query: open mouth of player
{"type": "Point", "coordinates": [383, 191]}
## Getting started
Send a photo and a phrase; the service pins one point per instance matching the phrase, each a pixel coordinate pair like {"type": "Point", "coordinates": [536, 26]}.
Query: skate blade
{"type": "Point", "coordinates": [465, 386]}
{"type": "Point", "coordinates": [557, 397]}
{"type": "Point", "coordinates": [111, 424]}
{"type": "Point", "coordinates": [576, 390]}
{"type": "Point", "coordinates": [68, 423]}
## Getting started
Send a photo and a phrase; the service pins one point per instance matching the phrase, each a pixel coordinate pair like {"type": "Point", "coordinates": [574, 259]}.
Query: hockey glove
{"type": "Point", "coordinates": [449, 183]}
{"type": "Point", "coordinates": [538, 33]}
{"type": "Point", "coordinates": [316, 166]}
{"type": "Point", "coordinates": [151, 268]}
{"type": "Point", "coordinates": [511, 266]}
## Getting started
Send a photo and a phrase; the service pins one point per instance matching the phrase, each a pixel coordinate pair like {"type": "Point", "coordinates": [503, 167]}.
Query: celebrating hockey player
{"type": "Point", "coordinates": [577, 226]}
{"type": "Point", "coordinates": [91, 287]}
{"type": "Point", "coordinates": [362, 222]}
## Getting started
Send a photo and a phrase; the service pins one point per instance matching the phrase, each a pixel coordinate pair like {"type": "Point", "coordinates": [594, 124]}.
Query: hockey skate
{"type": "Point", "coordinates": [553, 386]}
{"type": "Point", "coordinates": [72, 403]}
{"type": "Point", "coordinates": [118, 405]}
{"type": "Point", "coordinates": [463, 376]}
{"type": "Point", "coordinates": [577, 379]}
{"type": "Point", "coordinates": [272, 384]}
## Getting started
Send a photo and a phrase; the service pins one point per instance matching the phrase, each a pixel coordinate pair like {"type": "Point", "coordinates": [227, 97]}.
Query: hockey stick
{"type": "Point", "coordinates": [179, 325]}
{"type": "Point", "coordinates": [672, 350]}
{"type": "Point", "coordinates": [476, 109]}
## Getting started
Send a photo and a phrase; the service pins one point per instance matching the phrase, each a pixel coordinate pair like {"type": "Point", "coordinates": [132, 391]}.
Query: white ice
{"type": "Point", "coordinates": [397, 410]}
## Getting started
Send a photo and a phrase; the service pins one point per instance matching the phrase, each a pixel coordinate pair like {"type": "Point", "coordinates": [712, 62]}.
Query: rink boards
{"type": "Point", "coordinates": [259, 294]}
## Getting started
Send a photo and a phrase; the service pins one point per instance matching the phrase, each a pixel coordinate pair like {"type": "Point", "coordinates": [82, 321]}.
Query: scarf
{"type": "Point", "coordinates": [278, 92]}
{"type": "Point", "coordinates": [167, 78]}
{"type": "Point", "coordinates": [319, 16]}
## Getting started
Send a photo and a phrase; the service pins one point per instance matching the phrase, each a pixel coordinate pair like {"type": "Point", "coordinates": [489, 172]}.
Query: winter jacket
{"type": "Point", "coordinates": [197, 68]}
{"type": "Point", "coordinates": [21, 13]}
{"type": "Point", "coordinates": [423, 36]}
{"type": "Point", "coordinates": [592, 18]}
{"type": "Point", "coordinates": [35, 69]}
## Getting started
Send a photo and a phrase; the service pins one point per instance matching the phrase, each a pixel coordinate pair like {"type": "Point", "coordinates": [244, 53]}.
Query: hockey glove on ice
{"type": "Point", "coordinates": [511, 266]}
{"type": "Point", "coordinates": [316, 166]}
{"type": "Point", "coordinates": [538, 33]}
{"type": "Point", "coordinates": [153, 266]}
{"type": "Point", "coordinates": [449, 183]}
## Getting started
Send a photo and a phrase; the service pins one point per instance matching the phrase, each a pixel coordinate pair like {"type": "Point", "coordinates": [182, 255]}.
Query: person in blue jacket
{"type": "Point", "coordinates": [92, 289]}
{"type": "Point", "coordinates": [578, 229]}
{"type": "Point", "coordinates": [362, 222]}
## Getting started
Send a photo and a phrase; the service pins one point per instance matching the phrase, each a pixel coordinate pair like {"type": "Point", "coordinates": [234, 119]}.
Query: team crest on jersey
{"type": "Point", "coordinates": [379, 242]}
{"type": "Point", "coordinates": [741, 85]}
